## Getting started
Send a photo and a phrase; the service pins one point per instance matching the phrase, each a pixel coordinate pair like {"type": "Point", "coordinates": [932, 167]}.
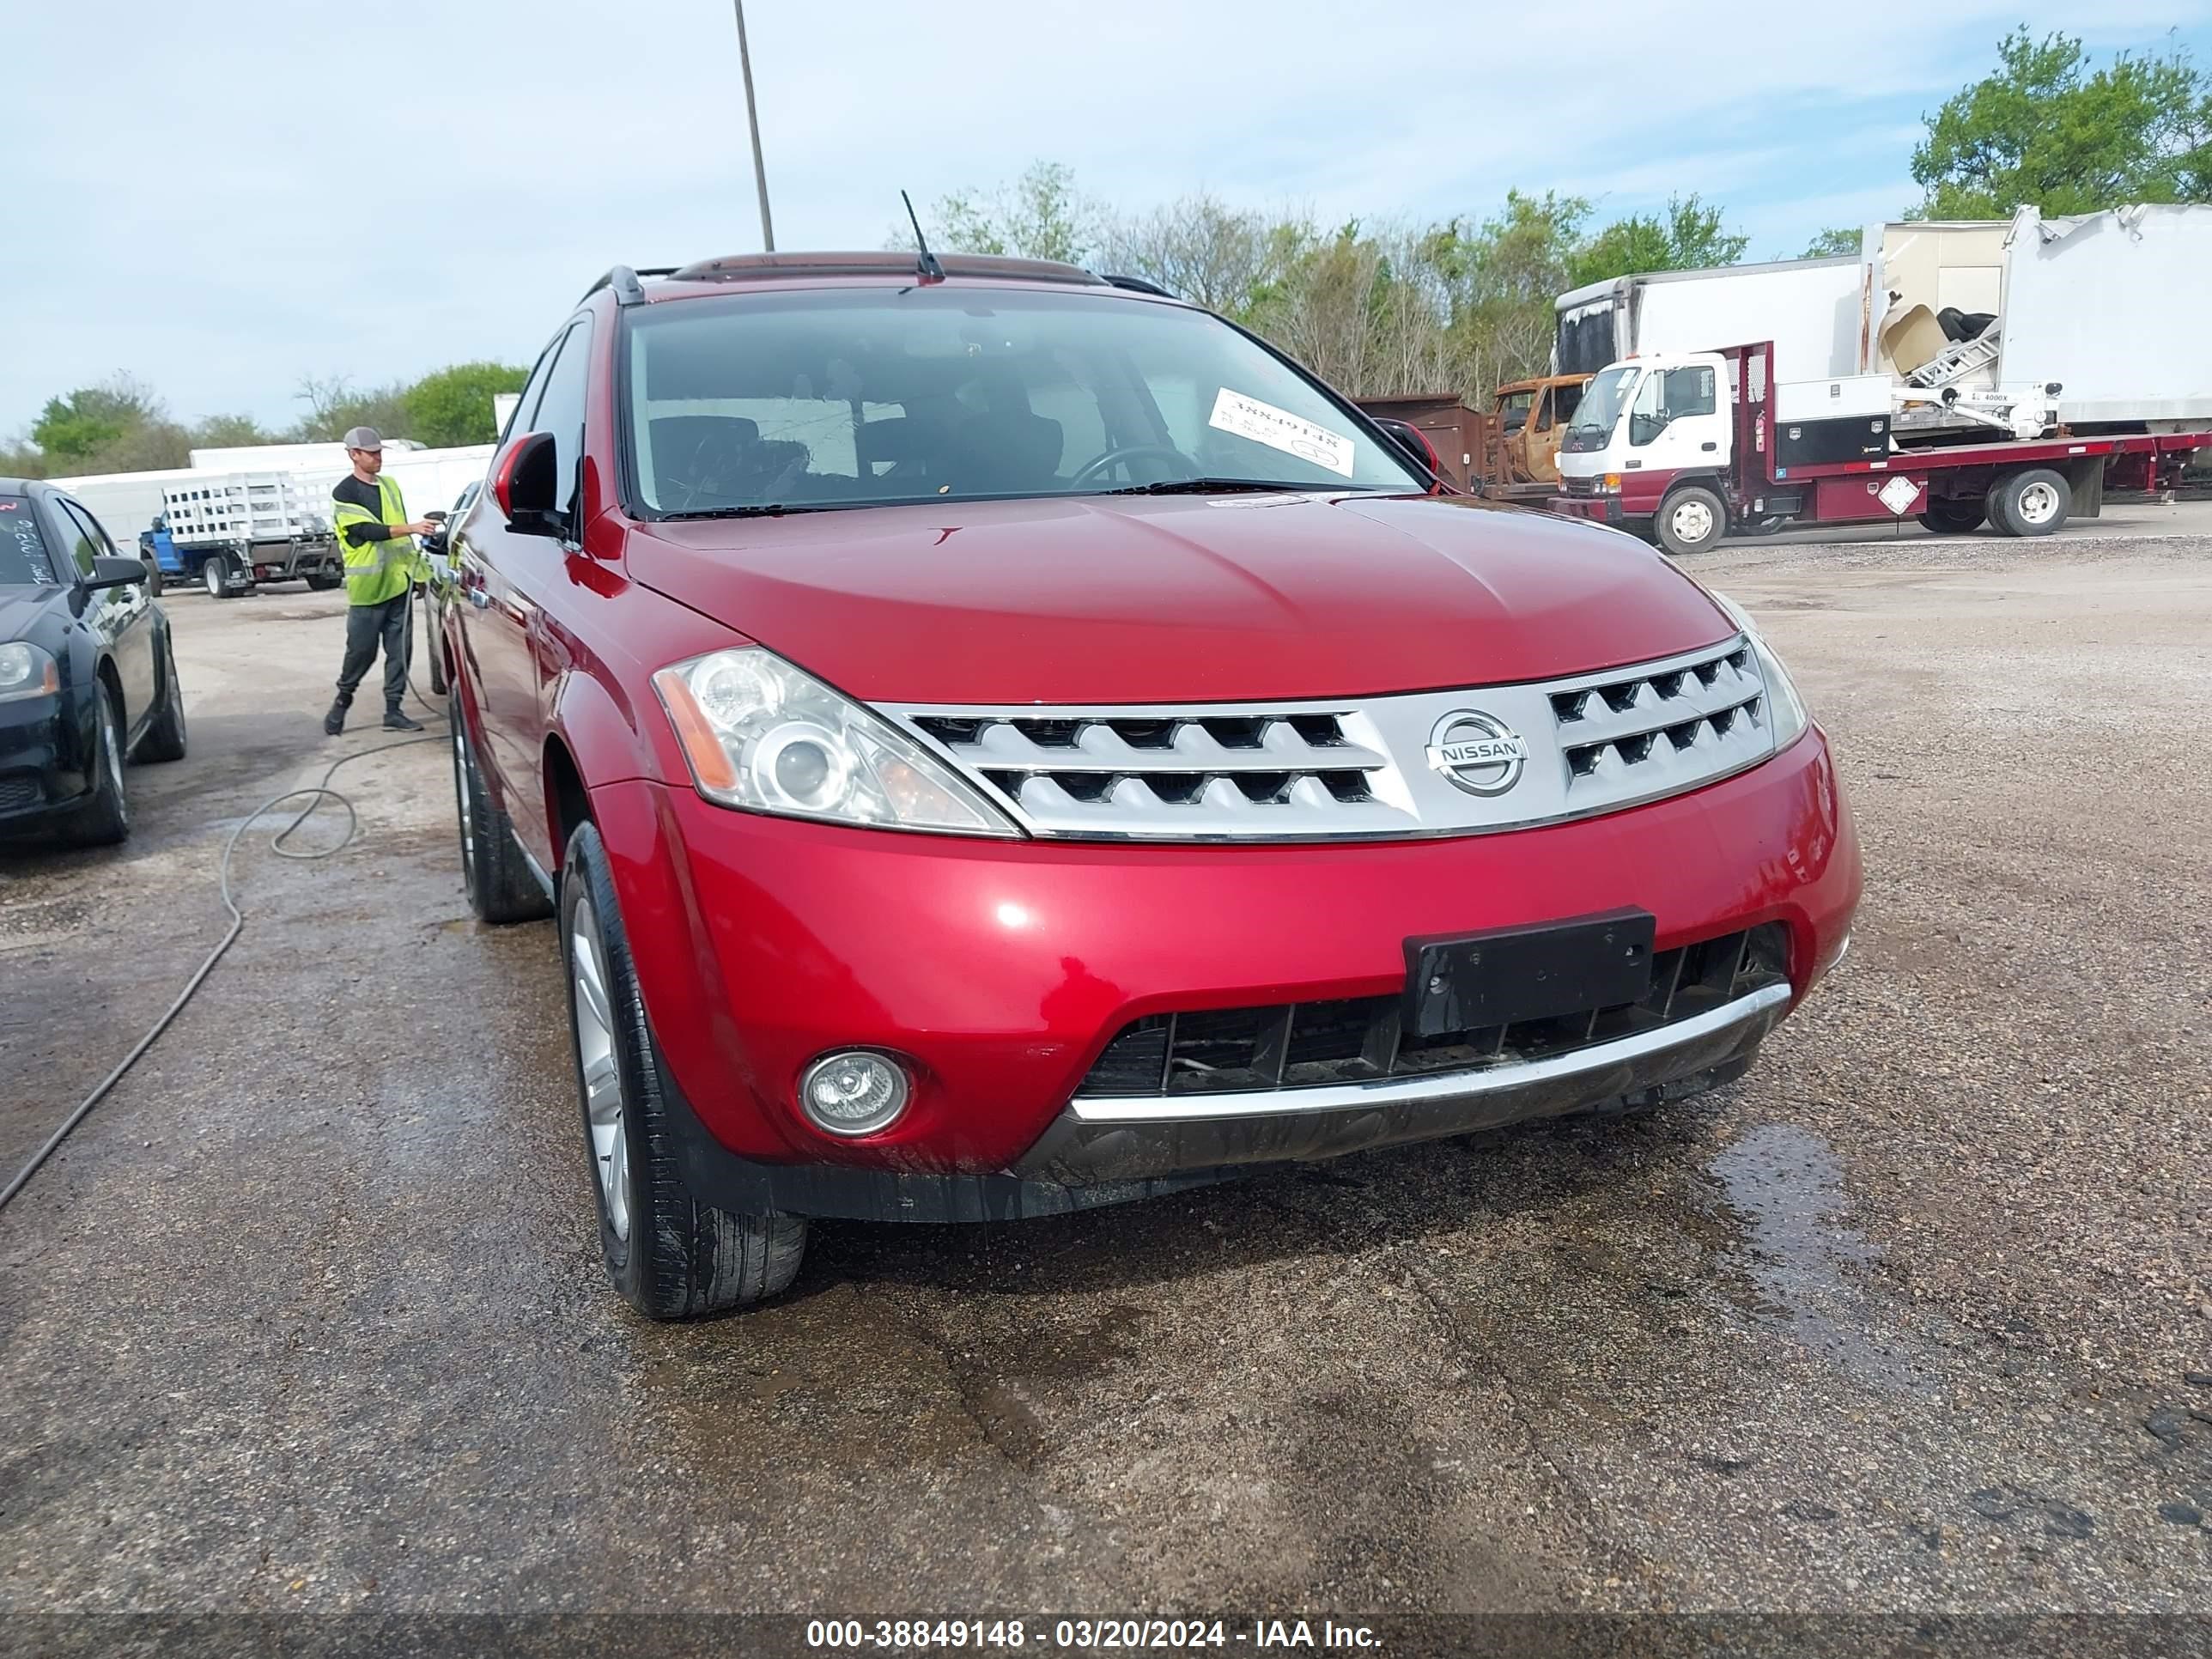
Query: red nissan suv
{"type": "Point", "coordinates": [998, 740]}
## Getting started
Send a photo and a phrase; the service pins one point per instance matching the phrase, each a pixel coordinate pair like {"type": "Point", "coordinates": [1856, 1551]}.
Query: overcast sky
{"type": "Point", "coordinates": [225, 197]}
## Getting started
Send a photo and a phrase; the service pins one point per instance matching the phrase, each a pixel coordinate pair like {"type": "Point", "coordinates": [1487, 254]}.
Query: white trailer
{"type": "Point", "coordinates": [1813, 310]}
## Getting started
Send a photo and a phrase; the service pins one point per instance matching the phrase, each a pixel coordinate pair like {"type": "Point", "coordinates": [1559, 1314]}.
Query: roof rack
{"type": "Point", "coordinates": [742, 267]}
{"type": "Point", "coordinates": [628, 291]}
{"type": "Point", "coordinates": [1137, 285]}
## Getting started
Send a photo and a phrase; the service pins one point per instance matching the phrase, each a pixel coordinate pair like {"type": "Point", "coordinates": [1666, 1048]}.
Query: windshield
{"type": "Point", "coordinates": [1602, 401]}
{"type": "Point", "coordinates": [874, 396]}
{"type": "Point", "coordinates": [23, 559]}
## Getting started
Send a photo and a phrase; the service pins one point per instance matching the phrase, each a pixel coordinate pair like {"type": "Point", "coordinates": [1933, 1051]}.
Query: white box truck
{"type": "Point", "coordinates": [1814, 311]}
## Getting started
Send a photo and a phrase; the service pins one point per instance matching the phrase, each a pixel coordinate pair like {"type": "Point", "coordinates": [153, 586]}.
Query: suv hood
{"type": "Point", "coordinates": [1229, 598]}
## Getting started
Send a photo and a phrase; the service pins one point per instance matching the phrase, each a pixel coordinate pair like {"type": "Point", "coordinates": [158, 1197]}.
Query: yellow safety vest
{"type": "Point", "coordinates": [375, 571]}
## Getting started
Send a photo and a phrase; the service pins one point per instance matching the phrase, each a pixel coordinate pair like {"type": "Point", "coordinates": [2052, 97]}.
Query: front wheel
{"type": "Point", "coordinates": [1690, 520]}
{"type": "Point", "coordinates": [670, 1254]}
{"type": "Point", "coordinates": [324, 584]}
{"type": "Point", "coordinates": [104, 818]}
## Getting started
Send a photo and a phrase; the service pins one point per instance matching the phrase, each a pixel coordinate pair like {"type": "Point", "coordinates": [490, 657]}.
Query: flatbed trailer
{"type": "Point", "coordinates": [1685, 447]}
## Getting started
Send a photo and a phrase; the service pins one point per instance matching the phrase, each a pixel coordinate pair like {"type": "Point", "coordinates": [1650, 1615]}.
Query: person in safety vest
{"type": "Point", "coordinates": [382, 566]}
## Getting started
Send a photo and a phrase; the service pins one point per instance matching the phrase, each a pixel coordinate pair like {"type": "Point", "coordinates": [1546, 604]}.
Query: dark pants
{"type": "Point", "coordinates": [366, 624]}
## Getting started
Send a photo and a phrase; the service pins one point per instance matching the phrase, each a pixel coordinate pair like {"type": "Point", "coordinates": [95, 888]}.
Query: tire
{"type": "Point", "coordinates": [434, 643]}
{"type": "Point", "coordinates": [1690, 520]}
{"type": "Point", "coordinates": [105, 820]}
{"type": "Point", "coordinates": [500, 887]}
{"type": "Point", "coordinates": [671, 1255]}
{"type": "Point", "coordinates": [153, 576]}
{"type": "Point", "coordinates": [324, 584]}
{"type": "Point", "coordinates": [214, 576]}
{"type": "Point", "coordinates": [1953, 515]}
{"type": "Point", "coordinates": [165, 738]}
{"type": "Point", "coordinates": [2033, 501]}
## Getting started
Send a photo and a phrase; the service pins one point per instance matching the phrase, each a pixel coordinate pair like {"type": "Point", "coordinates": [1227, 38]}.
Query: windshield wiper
{"type": "Point", "coordinates": [764, 509]}
{"type": "Point", "coordinates": [1209, 487]}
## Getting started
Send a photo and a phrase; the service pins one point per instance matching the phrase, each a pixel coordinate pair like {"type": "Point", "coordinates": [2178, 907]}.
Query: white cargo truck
{"type": "Point", "coordinates": [231, 530]}
{"type": "Point", "coordinates": [1812, 309]}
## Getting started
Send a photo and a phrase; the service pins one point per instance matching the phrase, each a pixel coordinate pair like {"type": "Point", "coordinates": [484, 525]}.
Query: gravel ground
{"type": "Point", "coordinates": [309, 1317]}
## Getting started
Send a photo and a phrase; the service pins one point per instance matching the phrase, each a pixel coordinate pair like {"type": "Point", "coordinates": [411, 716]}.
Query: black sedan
{"type": "Point", "coordinates": [88, 676]}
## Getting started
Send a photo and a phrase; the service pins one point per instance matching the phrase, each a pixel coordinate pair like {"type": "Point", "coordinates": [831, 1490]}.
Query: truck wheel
{"type": "Point", "coordinates": [1954, 515]}
{"type": "Point", "coordinates": [153, 576]}
{"type": "Point", "coordinates": [165, 738]}
{"type": "Point", "coordinates": [324, 584]}
{"type": "Point", "coordinates": [104, 818]}
{"type": "Point", "coordinates": [2032, 501]}
{"type": "Point", "coordinates": [670, 1254]}
{"type": "Point", "coordinates": [1690, 520]}
{"type": "Point", "coordinates": [500, 886]}
{"type": "Point", "coordinates": [215, 575]}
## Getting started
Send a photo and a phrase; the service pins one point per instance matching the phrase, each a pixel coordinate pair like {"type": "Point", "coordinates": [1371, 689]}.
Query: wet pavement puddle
{"type": "Point", "coordinates": [1799, 1251]}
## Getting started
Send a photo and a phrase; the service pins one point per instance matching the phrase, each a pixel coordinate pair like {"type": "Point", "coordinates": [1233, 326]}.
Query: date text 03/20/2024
{"type": "Point", "coordinates": [1085, 1634]}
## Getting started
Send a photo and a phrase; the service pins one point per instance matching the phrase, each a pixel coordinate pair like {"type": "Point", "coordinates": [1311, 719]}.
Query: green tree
{"type": "Point", "coordinates": [75, 427]}
{"type": "Point", "coordinates": [1833, 241]}
{"type": "Point", "coordinates": [333, 406]}
{"type": "Point", "coordinates": [228, 432]}
{"type": "Point", "coordinates": [454, 406]}
{"type": "Point", "coordinates": [1039, 215]}
{"type": "Point", "coordinates": [1689, 236]}
{"type": "Point", "coordinates": [2045, 130]}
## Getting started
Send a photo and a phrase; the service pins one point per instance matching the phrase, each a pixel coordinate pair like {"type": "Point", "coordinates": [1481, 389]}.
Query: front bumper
{"type": "Point", "coordinates": [1596, 509]}
{"type": "Point", "coordinates": [1003, 970]}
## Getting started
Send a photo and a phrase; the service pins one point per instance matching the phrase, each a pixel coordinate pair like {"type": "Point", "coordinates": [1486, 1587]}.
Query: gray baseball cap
{"type": "Point", "coordinates": [363, 437]}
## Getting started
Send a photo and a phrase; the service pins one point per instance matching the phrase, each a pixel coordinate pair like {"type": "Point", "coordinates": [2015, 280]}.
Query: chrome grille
{"type": "Point", "coordinates": [1648, 728]}
{"type": "Point", "coordinates": [1359, 769]}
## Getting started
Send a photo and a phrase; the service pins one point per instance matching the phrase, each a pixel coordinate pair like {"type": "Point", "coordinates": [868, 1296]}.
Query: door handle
{"type": "Point", "coordinates": [1709, 445]}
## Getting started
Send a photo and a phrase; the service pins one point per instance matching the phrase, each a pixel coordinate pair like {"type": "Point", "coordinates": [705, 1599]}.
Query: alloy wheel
{"type": "Point", "coordinates": [467, 812]}
{"type": "Point", "coordinates": [605, 1107]}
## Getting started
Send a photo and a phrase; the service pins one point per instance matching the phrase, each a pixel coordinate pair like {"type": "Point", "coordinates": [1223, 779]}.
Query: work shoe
{"type": "Point", "coordinates": [395, 720]}
{"type": "Point", "coordinates": [334, 722]}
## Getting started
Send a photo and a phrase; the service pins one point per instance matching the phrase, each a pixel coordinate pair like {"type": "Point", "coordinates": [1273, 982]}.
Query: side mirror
{"type": "Point", "coordinates": [116, 572]}
{"type": "Point", "coordinates": [524, 487]}
{"type": "Point", "coordinates": [1411, 438]}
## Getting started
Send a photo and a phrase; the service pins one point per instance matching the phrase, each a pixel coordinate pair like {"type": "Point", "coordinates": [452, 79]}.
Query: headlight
{"type": "Point", "coordinates": [27, 671]}
{"type": "Point", "coordinates": [760, 736]}
{"type": "Point", "coordinates": [1785, 708]}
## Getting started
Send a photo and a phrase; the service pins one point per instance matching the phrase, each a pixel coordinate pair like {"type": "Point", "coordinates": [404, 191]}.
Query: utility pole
{"type": "Point", "coordinates": [752, 121]}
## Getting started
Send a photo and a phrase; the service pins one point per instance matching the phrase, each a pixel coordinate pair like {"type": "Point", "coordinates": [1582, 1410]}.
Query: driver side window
{"type": "Point", "coordinates": [1667, 397]}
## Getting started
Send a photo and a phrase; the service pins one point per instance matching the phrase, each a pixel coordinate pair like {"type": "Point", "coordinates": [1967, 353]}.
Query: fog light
{"type": "Point", "coordinates": [853, 1093]}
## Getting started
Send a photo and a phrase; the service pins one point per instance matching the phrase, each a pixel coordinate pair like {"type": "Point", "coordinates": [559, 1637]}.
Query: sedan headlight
{"type": "Point", "coordinates": [760, 736]}
{"type": "Point", "coordinates": [27, 671]}
{"type": "Point", "coordinates": [1785, 708]}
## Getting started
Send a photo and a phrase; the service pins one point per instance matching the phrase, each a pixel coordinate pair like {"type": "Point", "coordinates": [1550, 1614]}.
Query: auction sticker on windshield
{"type": "Point", "coordinates": [1248, 418]}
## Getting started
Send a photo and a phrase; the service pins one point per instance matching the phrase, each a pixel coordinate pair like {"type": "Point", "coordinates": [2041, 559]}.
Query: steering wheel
{"type": "Point", "coordinates": [1091, 471]}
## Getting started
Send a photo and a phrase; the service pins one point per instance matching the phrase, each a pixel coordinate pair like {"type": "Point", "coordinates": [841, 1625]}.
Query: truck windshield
{"type": "Point", "coordinates": [865, 397]}
{"type": "Point", "coordinates": [1599, 408]}
{"type": "Point", "coordinates": [23, 559]}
